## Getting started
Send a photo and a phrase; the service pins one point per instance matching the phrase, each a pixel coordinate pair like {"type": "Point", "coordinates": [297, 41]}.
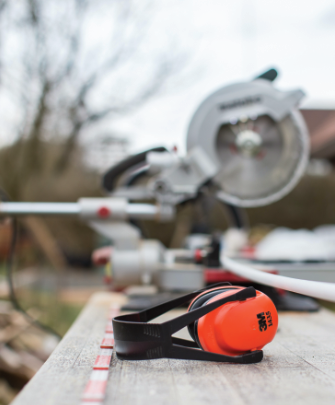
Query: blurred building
{"type": "Point", "coordinates": [321, 126]}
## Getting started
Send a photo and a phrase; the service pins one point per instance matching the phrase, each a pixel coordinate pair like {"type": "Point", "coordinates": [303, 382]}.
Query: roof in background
{"type": "Point", "coordinates": [321, 126]}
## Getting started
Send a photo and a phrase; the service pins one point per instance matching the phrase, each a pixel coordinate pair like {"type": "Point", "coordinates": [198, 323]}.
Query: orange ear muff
{"type": "Point", "coordinates": [231, 324]}
{"type": "Point", "coordinates": [236, 327]}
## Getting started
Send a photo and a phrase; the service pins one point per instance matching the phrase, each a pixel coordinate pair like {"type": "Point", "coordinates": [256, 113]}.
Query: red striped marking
{"type": "Point", "coordinates": [95, 390]}
{"type": "Point", "coordinates": [103, 360]}
{"type": "Point", "coordinates": [107, 341]}
{"type": "Point", "coordinates": [96, 387]}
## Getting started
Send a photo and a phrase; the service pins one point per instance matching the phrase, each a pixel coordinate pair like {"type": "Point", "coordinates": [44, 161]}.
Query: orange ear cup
{"type": "Point", "coordinates": [236, 327]}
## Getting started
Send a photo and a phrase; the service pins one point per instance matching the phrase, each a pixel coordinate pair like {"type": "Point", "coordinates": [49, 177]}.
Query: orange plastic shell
{"type": "Point", "coordinates": [240, 326]}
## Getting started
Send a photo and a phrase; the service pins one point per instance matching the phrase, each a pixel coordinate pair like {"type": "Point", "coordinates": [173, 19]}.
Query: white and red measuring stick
{"type": "Point", "coordinates": [95, 389]}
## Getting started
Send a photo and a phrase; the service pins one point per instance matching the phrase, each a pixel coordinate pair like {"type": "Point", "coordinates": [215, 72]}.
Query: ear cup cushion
{"type": "Point", "coordinates": [199, 302]}
{"type": "Point", "coordinates": [238, 327]}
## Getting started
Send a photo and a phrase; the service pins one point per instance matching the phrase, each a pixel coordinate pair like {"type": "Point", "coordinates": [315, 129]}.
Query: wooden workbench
{"type": "Point", "coordinates": [298, 368]}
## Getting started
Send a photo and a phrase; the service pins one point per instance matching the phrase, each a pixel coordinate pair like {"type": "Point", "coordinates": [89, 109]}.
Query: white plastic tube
{"type": "Point", "coordinates": [316, 289]}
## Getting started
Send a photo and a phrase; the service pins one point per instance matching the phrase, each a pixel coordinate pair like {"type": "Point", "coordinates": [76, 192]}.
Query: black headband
{"type": "Point", "coordinates": [136, 339]}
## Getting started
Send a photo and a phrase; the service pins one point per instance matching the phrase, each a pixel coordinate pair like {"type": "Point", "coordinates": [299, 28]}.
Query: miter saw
{"type": "Point", "coordinates": [247, 145]}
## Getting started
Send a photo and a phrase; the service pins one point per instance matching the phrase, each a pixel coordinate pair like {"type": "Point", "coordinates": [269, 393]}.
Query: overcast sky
{"type": "Point", "coordinates": [226, 42]}
{"type": "Point", "coordinates": [234, 41]}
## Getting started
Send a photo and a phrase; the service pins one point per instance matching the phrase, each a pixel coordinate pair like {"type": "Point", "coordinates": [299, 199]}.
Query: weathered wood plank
{"type": "Point", "coordinates": [298, 368]}
{"type": "Point", "coordinates": [63, 377]}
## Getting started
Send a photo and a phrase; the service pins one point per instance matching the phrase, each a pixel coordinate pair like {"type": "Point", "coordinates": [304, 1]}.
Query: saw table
{"type": "Point", "coordinates": [298, 368]}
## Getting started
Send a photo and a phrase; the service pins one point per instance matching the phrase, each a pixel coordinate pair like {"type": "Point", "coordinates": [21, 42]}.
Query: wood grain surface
{"type": "Point", "coordinates": [298, 368]}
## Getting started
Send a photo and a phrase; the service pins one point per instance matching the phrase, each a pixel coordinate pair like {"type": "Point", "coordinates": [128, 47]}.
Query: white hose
{"type": "Point", "coordinates": [316, 289]}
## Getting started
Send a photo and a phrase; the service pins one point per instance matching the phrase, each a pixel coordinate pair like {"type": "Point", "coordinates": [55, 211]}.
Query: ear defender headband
{"type": "Point", "coordinates": [227, 323]}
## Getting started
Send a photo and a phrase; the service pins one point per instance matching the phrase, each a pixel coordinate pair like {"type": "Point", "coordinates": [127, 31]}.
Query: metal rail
{"type": "Point", "coordinates": [131, 211]}
{"type": "Point", "coordinates": [27, 208]}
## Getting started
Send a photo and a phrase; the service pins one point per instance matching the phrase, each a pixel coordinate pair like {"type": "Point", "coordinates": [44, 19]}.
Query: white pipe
{"type": "Point", "coordinates": [316, 289]}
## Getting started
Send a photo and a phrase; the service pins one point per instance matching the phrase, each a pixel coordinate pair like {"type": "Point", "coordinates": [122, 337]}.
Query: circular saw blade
{"type": "Point", "coordinates": [248, 175]}
{"type": "Point", "coordinates": [256, 137]}
{"type": "Point", "coordinates": [251, 179]}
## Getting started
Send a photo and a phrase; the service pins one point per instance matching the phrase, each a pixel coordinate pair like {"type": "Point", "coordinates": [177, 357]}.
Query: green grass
{"type": "Point", "coordinates": [43, 300]}
{"type": "Point", "coordinates": [328, 305]}
{"type": "Point", "coordinates": [51, 312]}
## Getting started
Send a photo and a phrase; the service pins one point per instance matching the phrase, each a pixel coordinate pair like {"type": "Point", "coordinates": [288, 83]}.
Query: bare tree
{"type": "Point", "coordinates": [68, 65]}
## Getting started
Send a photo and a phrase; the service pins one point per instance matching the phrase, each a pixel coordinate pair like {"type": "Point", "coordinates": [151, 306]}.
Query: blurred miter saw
{"type": "Point", "coordinates": [247, 144]}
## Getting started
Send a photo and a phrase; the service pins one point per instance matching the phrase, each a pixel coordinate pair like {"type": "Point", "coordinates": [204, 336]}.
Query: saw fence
{"type": "Point", "coordinates": [298, 368]}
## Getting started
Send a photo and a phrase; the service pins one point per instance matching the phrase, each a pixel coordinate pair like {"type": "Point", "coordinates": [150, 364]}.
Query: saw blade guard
{"type": "Point", "coordinates": [257, 137]}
